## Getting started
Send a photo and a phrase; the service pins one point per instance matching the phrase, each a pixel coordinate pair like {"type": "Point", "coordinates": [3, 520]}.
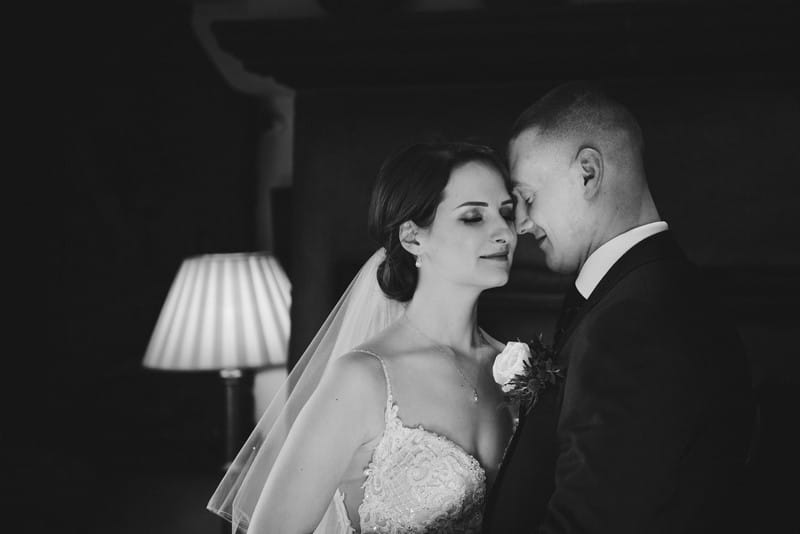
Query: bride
{"type": "Point", "coordinates": [393, 422]}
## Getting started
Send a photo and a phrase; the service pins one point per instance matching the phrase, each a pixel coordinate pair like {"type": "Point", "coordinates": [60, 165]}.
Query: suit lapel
{"type": "Point", "coordinates": [656, 247]}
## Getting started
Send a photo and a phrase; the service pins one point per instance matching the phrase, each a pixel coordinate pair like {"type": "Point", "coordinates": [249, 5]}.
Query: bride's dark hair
{"type": "Point", "coordinates": [409, 187]}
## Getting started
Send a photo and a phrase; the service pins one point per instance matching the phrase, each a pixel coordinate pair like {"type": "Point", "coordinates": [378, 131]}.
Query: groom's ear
{"type": "Point", "coordinates": [590, 163]}
{"type": "Point", "coordinates": [408, 234]}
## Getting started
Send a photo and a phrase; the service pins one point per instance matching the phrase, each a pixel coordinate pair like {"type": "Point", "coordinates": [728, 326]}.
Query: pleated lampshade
{"type": "Point", "coordinates": [223, 311]}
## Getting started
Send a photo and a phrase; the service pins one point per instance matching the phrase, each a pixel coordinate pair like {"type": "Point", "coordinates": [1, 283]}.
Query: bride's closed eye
{"type": "Point", "coordinates": [472, 218]}
{"type": "Point", "coordinates": [506, 212]}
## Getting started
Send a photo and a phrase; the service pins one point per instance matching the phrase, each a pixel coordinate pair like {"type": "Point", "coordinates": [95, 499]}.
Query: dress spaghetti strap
{"type": "Point", "coordinates": [389, 399]}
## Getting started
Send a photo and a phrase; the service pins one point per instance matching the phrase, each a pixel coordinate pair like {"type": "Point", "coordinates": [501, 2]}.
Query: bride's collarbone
{"type": "Point", "coordinates": [433, 376]}
{"type": "Point", "coordinates": [446, 372]}
{"type": "Point", "coordinates": [441, 403]}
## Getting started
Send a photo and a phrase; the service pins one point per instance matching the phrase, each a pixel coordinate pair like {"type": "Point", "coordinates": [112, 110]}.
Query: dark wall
{"type": "Point", "coordinates": [150, 159]}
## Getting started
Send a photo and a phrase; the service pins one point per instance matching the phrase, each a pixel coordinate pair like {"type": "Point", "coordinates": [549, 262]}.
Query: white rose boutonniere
{"type": "Point", "coordinates": [510, 363]}
{"type": "Point", "coordinates": [524, 371]}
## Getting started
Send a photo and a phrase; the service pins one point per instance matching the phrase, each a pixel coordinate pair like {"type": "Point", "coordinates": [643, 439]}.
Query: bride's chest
{"type": "Point", "coordinates": [418, 480]}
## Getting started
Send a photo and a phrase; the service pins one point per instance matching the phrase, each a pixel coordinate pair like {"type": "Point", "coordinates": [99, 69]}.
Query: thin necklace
{"type": "Point", "coordinates": [447, 350]}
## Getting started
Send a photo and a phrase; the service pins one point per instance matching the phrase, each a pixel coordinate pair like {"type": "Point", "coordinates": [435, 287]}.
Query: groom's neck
{"type": "Point", "coordinates": [615, 221]}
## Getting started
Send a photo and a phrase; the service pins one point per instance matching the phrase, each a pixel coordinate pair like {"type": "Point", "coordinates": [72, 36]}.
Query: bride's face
{"type": "Point", "coordinates": [472, 238]}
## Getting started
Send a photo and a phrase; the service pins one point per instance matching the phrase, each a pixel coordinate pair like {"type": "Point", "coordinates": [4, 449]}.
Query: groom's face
{"type": "Point", "coordinates": [547, 177]}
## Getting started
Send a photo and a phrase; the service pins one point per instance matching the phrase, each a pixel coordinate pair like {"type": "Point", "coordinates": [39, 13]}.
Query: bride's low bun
{"type": "Point", "coordinates": [409, 187]}
{"type": "Point", "coordinates": [397, 275]}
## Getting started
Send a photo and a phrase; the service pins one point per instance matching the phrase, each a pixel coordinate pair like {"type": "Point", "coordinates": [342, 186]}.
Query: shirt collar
{"type": "Point", "coordinates": [601, 260]}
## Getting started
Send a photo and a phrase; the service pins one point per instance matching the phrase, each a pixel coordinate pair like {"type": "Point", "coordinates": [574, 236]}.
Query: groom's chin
{"type": "Point", "coordinates": [559, 266]}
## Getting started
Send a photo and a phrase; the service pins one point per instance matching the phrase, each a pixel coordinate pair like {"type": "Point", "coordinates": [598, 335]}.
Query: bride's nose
{"type": "Point", "coordinates": [503, 235]}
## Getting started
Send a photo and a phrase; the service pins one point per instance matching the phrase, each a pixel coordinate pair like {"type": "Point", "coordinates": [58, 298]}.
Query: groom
{"type": "Point", "coordinates": [651, 428]}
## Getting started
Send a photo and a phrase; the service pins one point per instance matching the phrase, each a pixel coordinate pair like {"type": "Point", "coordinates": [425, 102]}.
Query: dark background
{"type": "Point", "coordinates": [147, 155]}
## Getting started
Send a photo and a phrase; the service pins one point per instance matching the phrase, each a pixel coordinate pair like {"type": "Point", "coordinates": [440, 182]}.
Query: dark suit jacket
{"type": "Point", "coordinates": [654, 417]}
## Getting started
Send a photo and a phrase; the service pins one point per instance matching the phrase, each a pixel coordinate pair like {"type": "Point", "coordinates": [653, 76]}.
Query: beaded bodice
{"type": "Point", "coordinates": [419, 481]}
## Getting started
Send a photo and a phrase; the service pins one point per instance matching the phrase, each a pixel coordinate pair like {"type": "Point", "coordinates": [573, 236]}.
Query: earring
{"type": "Point", "coordinates": [418, 262]}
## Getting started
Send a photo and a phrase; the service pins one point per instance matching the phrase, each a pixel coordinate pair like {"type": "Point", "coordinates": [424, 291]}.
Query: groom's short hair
{"type": "Point", "coordinates": [577, 108]}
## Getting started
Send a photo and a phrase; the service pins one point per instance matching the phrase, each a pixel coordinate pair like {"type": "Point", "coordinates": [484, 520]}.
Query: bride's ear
{"type": "Point", "coordinates": [408, 234]}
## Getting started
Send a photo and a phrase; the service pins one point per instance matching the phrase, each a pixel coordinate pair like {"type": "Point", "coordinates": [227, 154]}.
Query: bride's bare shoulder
{"type": "Point", "coordinates": [359, 364]}
{"type": "Point", "coordinates": [358, 374]}
{"type": "Point", "coordinates": [352, 388]}
{"type": "Point", "coordinates": [387, 344]}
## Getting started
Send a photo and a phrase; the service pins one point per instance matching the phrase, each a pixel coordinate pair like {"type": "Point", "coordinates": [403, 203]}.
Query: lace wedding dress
{"type": "Point", "coordinates": [417, 482]}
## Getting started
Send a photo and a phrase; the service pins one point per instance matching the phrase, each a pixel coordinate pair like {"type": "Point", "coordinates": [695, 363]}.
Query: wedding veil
{"type": "Point", "coordinates": [362, 311]}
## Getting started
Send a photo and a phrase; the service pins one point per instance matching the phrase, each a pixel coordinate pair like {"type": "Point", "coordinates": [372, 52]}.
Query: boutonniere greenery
{"type": "Point", "coordinates": [524, 371]}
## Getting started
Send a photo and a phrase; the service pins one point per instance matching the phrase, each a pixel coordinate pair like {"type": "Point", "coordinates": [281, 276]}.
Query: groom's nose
{"type": "Point", "coordinates": [522, 222]}
{"type": "Point", "coordinates": [524, 225]}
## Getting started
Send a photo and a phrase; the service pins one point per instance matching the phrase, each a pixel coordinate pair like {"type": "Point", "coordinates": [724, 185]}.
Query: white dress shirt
{"type": "Point", "coordinates": [601, 260]}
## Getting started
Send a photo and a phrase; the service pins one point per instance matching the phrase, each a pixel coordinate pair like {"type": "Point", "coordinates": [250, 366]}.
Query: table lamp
{"type": "Point", "coordinates": [225, 313]}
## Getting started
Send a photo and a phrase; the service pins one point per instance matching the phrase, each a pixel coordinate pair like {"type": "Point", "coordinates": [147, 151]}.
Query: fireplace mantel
{"type": "Point", "coordinates": [491, 46]}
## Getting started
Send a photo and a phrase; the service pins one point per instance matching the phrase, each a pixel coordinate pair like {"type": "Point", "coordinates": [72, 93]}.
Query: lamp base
{"type": "Point", "coordinates": [231, 378]}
